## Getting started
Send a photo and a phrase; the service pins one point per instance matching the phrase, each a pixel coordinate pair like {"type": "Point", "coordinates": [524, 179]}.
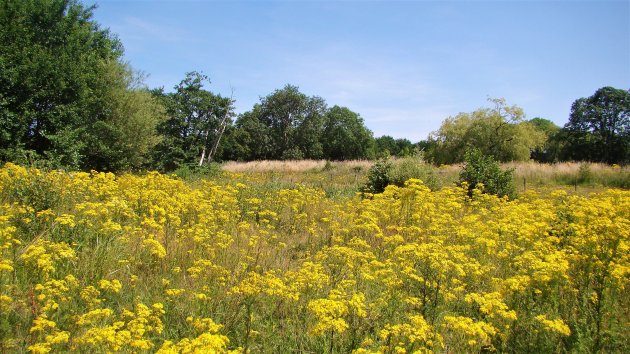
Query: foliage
{"type": "Point", "coordinates": [378, 177]}
{"type": "Point", "coordinates": [599, 127]}
{"type": "Point", "coordinates": [289, 125]}
{"type": "Point", "coordinates": [385, 172]}
{"type": "Point", "coordinates": [94, 262]}
{"type": "Point", "coordinates": [194, 172]}
{"type": "Point", "coordinates": [64, 94]}
{"type": "Point", "coordinates": [345, 137]}
{"type": "Point", "coordinates": [387, 146]}
{"type": "Point", "coordinates": [195, 124]}
{"type": "Point", "coordinates": [550, 151]}
{"type": "Point", "coordinates": [499, 132]}
{"type": "Point", "coordinates": [124, 137]}
{"type": "Point", "coordinates": [286, 124]}
{"type": "Point", "coordinates": [414, 167]}
{"type": "Point", "coordinates": [585, 175]}
{"type": "Point", "coordinates": [483, 173]}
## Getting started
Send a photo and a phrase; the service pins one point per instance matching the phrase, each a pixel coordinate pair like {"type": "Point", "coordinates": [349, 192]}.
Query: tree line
{"type": "Point", "coordinates": [68, 100]}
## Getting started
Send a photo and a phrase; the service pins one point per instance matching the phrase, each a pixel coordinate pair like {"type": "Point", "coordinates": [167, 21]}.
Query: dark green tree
{"type": "Point", "coordinates": [286, 124]}
{"type": "Point", "coordinates": [388, 146]}
{"type": "Point", "coordinates": [250, 139]}
{"type": "Point", "coordinates": [599, 127]}
{"type": "Point", "coordinates": [65, 96]}
{"type": "Point", "coordinates": [345, 136]}
{"type": "Point", "coordinates": [385, 146]}
{"type": "Point", "coordinates": [404, 147]}
{"type": "Point", "coordinates": [196, 121]}
{"type": "Point", "coordinates": [51, 55]}
{"type": "Point", "coordinates": [550, 150]}
{"type": "Point", "coordinates": [482, 169]}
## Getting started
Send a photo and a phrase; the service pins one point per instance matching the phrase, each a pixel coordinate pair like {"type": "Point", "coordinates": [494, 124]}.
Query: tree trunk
{"type": "Point", "coordinates": [221, 130]}
{"type": "Point", "coordinates": [203, 151]}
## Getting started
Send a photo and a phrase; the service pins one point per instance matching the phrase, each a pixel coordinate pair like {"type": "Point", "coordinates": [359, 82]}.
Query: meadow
{"type": "Point", "coordinates": [260, 259]}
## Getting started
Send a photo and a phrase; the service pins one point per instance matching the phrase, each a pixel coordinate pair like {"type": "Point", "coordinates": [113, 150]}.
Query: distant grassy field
{"type": "Point", "coordinates": [346, 177]}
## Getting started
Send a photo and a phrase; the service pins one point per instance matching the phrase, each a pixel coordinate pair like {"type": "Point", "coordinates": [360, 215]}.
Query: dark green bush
{"type": "Point", "coordinates": [480, 169]}
{"type": "Point", "coordinates": [191, 172]}
{"type": "Point", "coordinates": [378, 177]}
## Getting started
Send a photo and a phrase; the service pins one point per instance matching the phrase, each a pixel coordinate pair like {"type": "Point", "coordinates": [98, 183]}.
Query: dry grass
{"type": "Point", "coordinates": [290, 165]}
{"type": "Point", "coordinates": [531, 168]}
{"type": "Point", "coordinates": [348, 176]}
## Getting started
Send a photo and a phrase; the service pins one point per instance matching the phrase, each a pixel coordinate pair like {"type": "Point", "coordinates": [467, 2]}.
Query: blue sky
{"type": "Point", "coordinates": [404, 66]}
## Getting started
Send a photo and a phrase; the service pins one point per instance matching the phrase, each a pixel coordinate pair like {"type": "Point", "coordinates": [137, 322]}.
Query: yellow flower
{"type": "Point", "coordinates": [113, 286]}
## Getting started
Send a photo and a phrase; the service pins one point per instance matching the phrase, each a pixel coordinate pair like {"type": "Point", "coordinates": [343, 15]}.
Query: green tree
{"type": "Point", "coordinates": [500, 132]}
{"type": "Point", "coordinates": [288, 124]}
{"type": "Point", "coordinates": [550, 150]}
{"type": "Point", "coordinates": [64, 93]}
{"type": "Point", "coordinates": [250, 139]}
{"type": "Point", "coordinates": [122, 137]}
{"type": "Point", "coordinates": [599, 127]}
{"type": "Point", "coordinates": [385, 146]}
{"type": "Point", "coordinates": [345, 136]}
{"type": "Point", "coordinates": [197, 119]}
{"type": "Point", "coordinates": [388, 146]}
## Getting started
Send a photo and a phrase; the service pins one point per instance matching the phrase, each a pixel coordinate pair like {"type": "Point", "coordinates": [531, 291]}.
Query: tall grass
{"type": "Point", "coordinates": [345, 178]}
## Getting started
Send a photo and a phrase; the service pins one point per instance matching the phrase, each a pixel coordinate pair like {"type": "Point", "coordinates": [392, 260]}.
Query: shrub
{"type": "Point", "coordinates": [585, 174]}
{"type": "Point", "coordinates": [480, 169]}
{"type": "Point", "coordinates": [384, 172]}
{"type": "Point", "coordinates": [414, 167]}
{"type": "Point", "coordinates": [191, 172]}
{"type": "Point", "coordinates": [378, 177]}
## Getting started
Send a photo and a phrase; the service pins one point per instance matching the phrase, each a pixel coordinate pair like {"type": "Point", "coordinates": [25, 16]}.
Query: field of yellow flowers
{"type": "Point", "coordinates": [98, 263]}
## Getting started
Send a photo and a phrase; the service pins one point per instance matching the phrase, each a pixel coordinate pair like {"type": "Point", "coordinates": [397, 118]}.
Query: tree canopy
{"type": "Point", "coordinates": [288, 124]}
{"type": "Point", "coordinates": [499, 132]}
{"type": "Point", "coordinates": [550, 150]}
{"type": "Point", "coordinates": [345, 137]}
{"type": "Point", "coordinates": [64, 93]}
{"type": "Point", "coordinates": [196, 121]}
{"type": "Point", "coordinates": [599, 127]}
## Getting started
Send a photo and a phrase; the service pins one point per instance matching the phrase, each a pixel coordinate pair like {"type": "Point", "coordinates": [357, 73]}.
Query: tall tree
{"type": "Point", "coordinates": [345, 136]}
{"type": "Point", "coordinates": [64, 93]}
{"type": "Point", "coordinates": [387, 145]}
{"type": "Point", "coordinates": [599, 127]}
{"type": "Point", "coordinates": [500, 132]}
{"type": "Point", "coordinates": [196, 121]}
{"type": "Point", "coordinates": [292, 122]}
{"type": "Point", "coordinates": [51, 55]}
{"type": "Point", "coordinates": [122, 132]}
{"type": "Point", "coordinates": [251, 139]}
{"type": "Point", "coordinates": [550, 150]}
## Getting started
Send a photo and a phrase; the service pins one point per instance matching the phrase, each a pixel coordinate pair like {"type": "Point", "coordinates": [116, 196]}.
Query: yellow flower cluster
{"type": "Point", "coordinates": [94, 262]}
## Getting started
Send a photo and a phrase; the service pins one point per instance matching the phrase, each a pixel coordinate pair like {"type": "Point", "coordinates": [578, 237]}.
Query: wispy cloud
{"type": "Point", "coordinates": [390, 96]}
{"type": "Point", "coordinates": [135, 29]}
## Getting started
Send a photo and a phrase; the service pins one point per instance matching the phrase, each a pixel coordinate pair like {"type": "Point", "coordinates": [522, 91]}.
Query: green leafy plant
{"type": "Point", "coordinates": [414, 167]}
{"type": "Point", "coordinates": [585, 174]}
{"type": "Point", "coordinates": [481, 169]}
{"type": "Point", "coordinates": [385, 172]}
{"type": "Point", "coordinates": [378, 177]}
